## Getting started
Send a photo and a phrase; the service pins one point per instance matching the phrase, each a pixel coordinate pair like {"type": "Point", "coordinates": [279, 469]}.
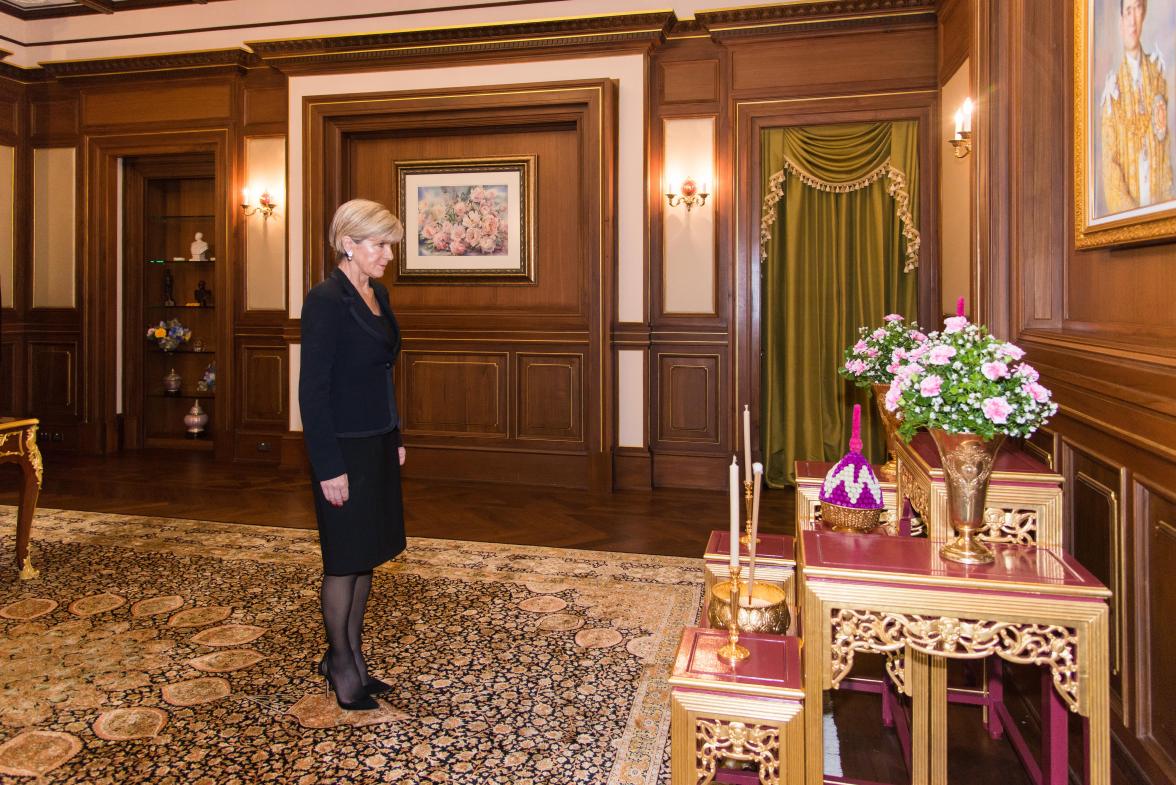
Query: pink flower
{"type": "Point", "coordinates": [878, 334]}
{"type": "Point", "coordinates": [893, 396]}
{"type": "Point", "coordinates": [898, 354]}
{"type": "Point", "coordinates": [428, 231]}
{"type": "Point", "coordinates": [892, 368]}
{"type": "Point", "coordinates": [918, 352]}
{"type": "Point", "coordinates": [871, 352]}
{"type": "Point", "coordinates": [473, 236]}
{"type": "Point", "coordinates": [458, 248]}
{"type": "Point", "coordinates": [918, 336]}
{"type": "Point", "coordinates": [1036, 391]}
{"type": "Point", "coordinates": [487, 245]}
{"type": "Point", "coordinates": [1011, 350]}
{"type": "Point", "coordinates": [941, 354]}
{"type": "Point", "coordinates": [477, 193]}
{"type": "Point", "coordinates": [996, 409]}
{"type": "Point", "coordinates": [907, 371]}
{"type": "Point", "coordinates": [860, 346]}
{"type": "Point", "coordinates": [460, 209]}
{"type": "Point", "coordinates": [929, 387]}
{"type": "Point", "coordinates": [856, 367]}
{"type": "Point", "coordinates": [441, 241]}
{"type": "Point", "coordinates": [994, 370]}
{"type": "Point", "coordinates": [954, 324]}
{"type": "Point", "coordinates": [1027, 371]}
{"type": "Point", "coordinates": [892, 317]}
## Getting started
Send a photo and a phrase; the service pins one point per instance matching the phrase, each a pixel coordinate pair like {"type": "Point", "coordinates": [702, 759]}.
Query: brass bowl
{"type": "Point", "coordinates": [771, 617]}
{"type": "Point", "coordinates": [850, 520]}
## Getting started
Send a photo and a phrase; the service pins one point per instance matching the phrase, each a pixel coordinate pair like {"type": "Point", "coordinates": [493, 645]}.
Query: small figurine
{"type": "Point", "coordinates": [198, 345]}
{"type": "Point", "coordinates": [199, 249]}
{"type": "Point", "coordinates": [207, 382]}
{"type": "Point", "coordinates": [168, 288]}
{"type": "Point", "coordinates": [202, 295]}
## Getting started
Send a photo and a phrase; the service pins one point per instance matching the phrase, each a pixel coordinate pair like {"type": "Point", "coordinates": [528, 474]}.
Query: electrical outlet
{"type": "Point", "coordinates": [263, 446]}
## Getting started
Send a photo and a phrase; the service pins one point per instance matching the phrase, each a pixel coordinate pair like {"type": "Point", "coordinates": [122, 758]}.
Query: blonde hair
{"type": "Point", "coordinates": [360, 219]}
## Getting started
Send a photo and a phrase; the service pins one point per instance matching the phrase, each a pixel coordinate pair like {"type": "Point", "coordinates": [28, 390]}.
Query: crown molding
{"type": "Point", "coordinates": [96, 7]}
{"type": "Point", "coordinates": [729, 23]}
{"type": "Point", "coordinates": [176, 63]}
{"type": "Point", "coordinates": [543, 38]}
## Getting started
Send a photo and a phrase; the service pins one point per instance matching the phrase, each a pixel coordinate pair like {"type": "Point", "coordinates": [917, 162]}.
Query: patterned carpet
{"type": "Point", "coordinates": [171, 651]}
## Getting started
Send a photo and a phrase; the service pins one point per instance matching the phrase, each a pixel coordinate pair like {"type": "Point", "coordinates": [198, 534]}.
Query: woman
{"type": "Point", "coordinates": [350, 341]}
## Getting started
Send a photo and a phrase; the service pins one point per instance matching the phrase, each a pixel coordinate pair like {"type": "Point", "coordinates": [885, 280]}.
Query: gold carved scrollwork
{"type": "Point", "coordinates": [1027, 644]}
{"type": "Point", "coordinates": [896, 668]}
{"type": "Point", "coordinates": [34, 453]}
{"type": "Point", "coordinates": [719, 740]}
{"type": "Point", "coordinates": [915, 493]}
{"type": "Point", "coordinates": [861, 631]}
{"type": "Point", "coordinates": [1013, 526]}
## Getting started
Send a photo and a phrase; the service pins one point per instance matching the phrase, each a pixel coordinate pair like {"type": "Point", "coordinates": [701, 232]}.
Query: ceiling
{"type": "Point", "coordinates": [45, 9]}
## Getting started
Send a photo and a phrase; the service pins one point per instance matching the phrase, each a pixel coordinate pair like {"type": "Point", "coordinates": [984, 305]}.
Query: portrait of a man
{"type": "Point", "coordinates": [1133, 44]}
{"type": "Point", "coordinates": [1136, 146]}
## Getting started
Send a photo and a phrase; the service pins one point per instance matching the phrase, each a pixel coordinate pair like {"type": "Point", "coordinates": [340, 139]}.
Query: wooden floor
{"type": "Point", "coordinates": [666, 522]}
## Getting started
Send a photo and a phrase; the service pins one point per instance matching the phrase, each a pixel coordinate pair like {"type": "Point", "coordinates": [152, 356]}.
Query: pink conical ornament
{"type": "Point", "coordinates": [960, 307]}
{"type": "Point", "coordinates": [851, 497]}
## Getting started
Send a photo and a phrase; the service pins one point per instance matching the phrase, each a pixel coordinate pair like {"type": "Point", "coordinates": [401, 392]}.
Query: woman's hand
{"type": "Point", "coordinates": [401, 452]}
{"type": "Point", "coordinates": [335, 489]}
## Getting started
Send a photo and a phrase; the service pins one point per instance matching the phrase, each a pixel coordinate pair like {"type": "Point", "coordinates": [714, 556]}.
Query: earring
{"type": "Point", "coordinates": [349, 256]}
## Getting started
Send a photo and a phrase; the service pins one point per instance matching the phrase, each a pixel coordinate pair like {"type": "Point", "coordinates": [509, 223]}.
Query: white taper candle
{"type": "Point", "coordinates": [758, 472]}
{"type": "Point", "coordinates": [746, 443]}
{"type": "Point", "coordinates": [734, 512]}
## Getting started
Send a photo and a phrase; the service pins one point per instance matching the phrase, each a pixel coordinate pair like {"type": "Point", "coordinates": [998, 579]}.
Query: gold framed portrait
{"type": "Point", "coordinates": [1124, 118]}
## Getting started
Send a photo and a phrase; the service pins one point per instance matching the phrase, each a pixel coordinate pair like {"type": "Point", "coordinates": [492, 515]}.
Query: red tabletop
{"type": "Point", "coordinates": [773, 669]}
{"type": "Point", "coordinates": [771, 549]}
{"type": "Point", "coordinates": [915, 560]}
{"type": "Point", "coordinates": [816, 470]}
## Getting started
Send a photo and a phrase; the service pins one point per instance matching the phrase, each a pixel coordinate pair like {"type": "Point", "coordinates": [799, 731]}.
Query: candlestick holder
{"type": "Point", "coordinates": [748, 496]}
{"type": "Point", "coordinates": [732, 651]}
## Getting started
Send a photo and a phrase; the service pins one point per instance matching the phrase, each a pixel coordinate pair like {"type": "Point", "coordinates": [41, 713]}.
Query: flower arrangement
{"type": "Point", "coordinates": [170, 334]}
{"type": "Point", "coordinates": [963, 380]}
{"type": "Point", "coordinates": [463, 221]}
{"type": "Point", "coordinates": [879, 353]}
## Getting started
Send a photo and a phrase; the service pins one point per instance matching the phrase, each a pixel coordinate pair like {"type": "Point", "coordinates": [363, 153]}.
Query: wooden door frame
{"type": "Point", "coordinates": [100, 272]}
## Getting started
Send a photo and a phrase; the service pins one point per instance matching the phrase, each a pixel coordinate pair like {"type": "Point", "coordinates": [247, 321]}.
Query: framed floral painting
{"type": "Point", "coordinates": [467, 220]}
{"type": "Point", "coordinates": [1124, 120]}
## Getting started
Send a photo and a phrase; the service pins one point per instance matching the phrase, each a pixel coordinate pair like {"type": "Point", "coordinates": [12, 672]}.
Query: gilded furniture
{"type": "Point", "coordinates": [810, 476]}
{"type": "Point", "coordinates": [896, 597]}
{"type": "Point", "coordinates": [775, 564]}
{"type": "Point", "coordinates": [747, 713]}
{"type": "Point", "coordinates": [18, 444]}
{"type": "Point", "coordinates": [1024, 502]}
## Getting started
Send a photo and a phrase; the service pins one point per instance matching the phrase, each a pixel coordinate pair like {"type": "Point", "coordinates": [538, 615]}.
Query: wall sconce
{"type": "Point", "coordinates": [265, 205]}
{"type": "Point", "coordinates": [688, 194]}
{"type": "Point", "coordinates": [962, 141]}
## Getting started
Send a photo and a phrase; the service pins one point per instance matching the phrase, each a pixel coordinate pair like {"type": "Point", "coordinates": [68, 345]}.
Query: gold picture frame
{"type": "Point", "coordinates": [1124, 190]}
{"type": "Point", "coordinates": [467, 221]}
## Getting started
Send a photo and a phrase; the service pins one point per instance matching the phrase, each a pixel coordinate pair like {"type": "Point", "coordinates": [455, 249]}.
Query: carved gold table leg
{"type": "Point", "coordinates": [30, 490]}
{"type": "Point", "coordinates": [937, 699]}
{"type": "Point", "coordinates": [816, 679]}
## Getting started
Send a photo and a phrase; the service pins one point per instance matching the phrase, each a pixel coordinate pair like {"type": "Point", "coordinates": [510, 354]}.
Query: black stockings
{"type": "Point", "coordinates": [344, 601]}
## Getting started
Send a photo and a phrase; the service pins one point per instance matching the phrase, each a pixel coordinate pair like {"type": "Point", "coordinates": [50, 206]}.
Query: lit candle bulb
{"type": "Point", "coordinates": [959, 122]}
{"type": "Point", "coordinates": [967, 115]}
{"type": "Point", "coordinates": [746, 443]}
{"type": "Point", "coordinates": [244, 196]}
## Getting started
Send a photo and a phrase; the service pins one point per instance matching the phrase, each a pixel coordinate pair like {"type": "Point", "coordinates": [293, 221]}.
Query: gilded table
{"type": "Point", "coordinates": [894, 596]}
{"type": "Point", "coordinates": [1023, 504]}
{"type": "Point", "coordinates": [18, 443]}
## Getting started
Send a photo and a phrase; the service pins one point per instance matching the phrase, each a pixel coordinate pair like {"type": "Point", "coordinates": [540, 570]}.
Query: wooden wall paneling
{"type": "Point", "coordinates": [54, 119]}
{"type": "Point", "coordinates": [10, 107]}
{"type": "Point", "coordinates": [1155, 511]}
{"type": "Point", "coordinates": [956, 31]}
{"type": "Point", "coordinates": [1098, 536]}
{"type": "Point", "coordinates": [263, 385]}
{"type": "Point", "coordinates": [200, 102]}
{"type": "Point", "coordinates": [497, 403]}
{"type": "Point", "coordinates": [52, 378]}
{"type": "Point", "coordinates": [836, 63]}
{"type": "Point", "coordinates": [9, 376]}
{"type": "Point", "coordinates": [689, 81]}
{"type": "Point", "coordinates": [455, 394]}
{"type": "Point", "coordinates": [550, 397]}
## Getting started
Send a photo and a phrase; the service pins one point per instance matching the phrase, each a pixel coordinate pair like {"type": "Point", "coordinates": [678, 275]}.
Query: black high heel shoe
{"type": "Point", "coordinates": [366, 703]}
{"type": "Point", "coordinates": [371, 685]}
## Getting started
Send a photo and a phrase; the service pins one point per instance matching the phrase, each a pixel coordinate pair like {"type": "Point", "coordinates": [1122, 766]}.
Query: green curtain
{"type": "Point", "coordinates": [839, 241]}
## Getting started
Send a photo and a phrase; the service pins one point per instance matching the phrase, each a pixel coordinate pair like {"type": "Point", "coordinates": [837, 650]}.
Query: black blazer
{"type": "Point", "coordinates": [345, 386]}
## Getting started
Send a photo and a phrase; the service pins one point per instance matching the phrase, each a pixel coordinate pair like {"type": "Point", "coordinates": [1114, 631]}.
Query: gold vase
{"type": "Point", "coordinates": [769, 615]}
{"type": "Point", "coordinates": [889, 470]}
{"type": "Point", "coordinates": [967, 460]}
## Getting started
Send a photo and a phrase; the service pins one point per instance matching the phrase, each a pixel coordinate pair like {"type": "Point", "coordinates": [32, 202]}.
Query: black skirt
{"type": "Point", "coordinates": [368, 529]}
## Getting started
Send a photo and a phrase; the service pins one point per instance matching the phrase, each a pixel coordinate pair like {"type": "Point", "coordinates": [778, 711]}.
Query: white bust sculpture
{"type": "Point", "coordinates": [199, 249]}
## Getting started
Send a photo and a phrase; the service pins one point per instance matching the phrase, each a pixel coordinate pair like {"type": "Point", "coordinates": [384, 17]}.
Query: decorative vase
{"type": "Point", "coordinates": [967, 461]}
{"type": "Point", "coordinates": [890, 420]}
{"type": "Point", "coordinates": [172, 382]}
{"type": "Point", "coordinates": [766, 612]}
{"type": "Point", "coordinates": [195, 420]}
